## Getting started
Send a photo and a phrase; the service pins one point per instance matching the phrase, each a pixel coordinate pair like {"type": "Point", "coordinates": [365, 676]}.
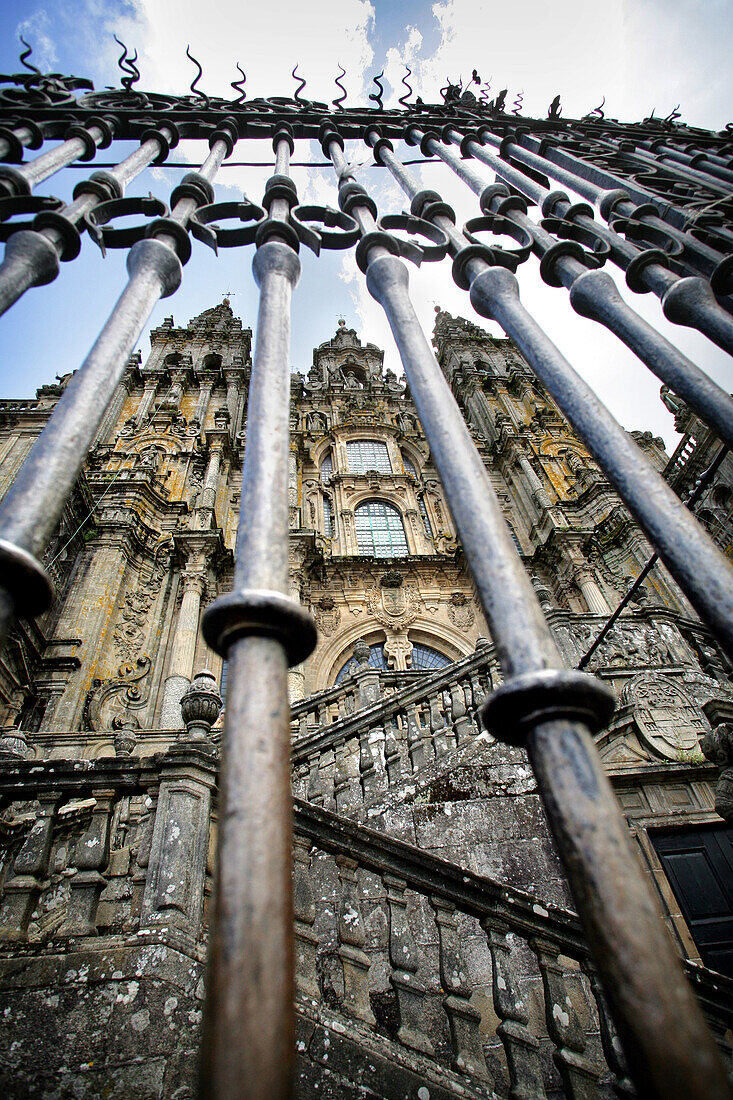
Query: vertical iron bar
{"type": "Point", "coordinates": [686, 300]}
{"type": "Point", "coordinates": [32, 255]}
{"type": "Point", "coordinates": [594, 294]}
{"type": "Point", "coordinates": [83, 142]}
{"type": "Point", "coordinates": [552, 714]}
{"type": "Point", "coordinates": [34, 503]}
{"type": "Point", "coordinates": [249, 1036]}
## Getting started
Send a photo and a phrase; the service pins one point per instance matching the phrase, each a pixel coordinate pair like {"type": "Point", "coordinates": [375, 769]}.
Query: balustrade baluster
{"type": "Point", "coordinates": [439, 730]}
{"type": "Point", "coordinates": [354, 959]}
{"type": "Point", "coordinates": [392, 757]}
{"type": "Point", "coordinates": [520, 1045]}
{"type": "Point", "coordinates": [461, 722]}
{"type": "Point", "coordinates": [579, 1077]}
{"type": "Point", "coordinates": [316, 793]}
{"type": "Point", "coordinates": [30, 871]}
{"type": "Point", "coordinates": [417, 741]}
{"type": "Point", "coordinates": [622, 1084]}
{"type": "Point", "coordinates": [90, 860]}
{"type": "Point", "coordinates": [304, 907]}
{"type": "Point", "coordinates": [463, 1019]}
{"type": "Point", "coordinates": [409, 990]}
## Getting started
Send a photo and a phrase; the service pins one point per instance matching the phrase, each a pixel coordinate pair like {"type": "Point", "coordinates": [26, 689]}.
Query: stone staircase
{"type": "Point", "coordinates": [417, 975]}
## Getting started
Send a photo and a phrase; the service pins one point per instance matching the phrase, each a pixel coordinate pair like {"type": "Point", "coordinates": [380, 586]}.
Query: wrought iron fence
{"type": "Point", "coordinates": [659, 206]}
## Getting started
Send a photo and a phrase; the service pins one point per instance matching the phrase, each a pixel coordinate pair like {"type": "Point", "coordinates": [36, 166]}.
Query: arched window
{"type": "Point", "coordinates": [327, 468]}
{"type": "Point", "coordinates": [376, 660]}
{"type": "Point", "coordinates": [425, 658]}
{"type": "Point", "coordinates": [425, 517]}
{"type": "Point", "coordinates": [409, 465]}
{"type": "Point", "coordinates": [327, 517]}
{"type": "Point", "coordinates": [380, 530]}
{"type": "Point", "coordinates": [368, 454]}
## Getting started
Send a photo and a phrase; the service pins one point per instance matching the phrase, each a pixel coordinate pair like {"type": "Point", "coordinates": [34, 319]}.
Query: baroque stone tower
{"type": "Point", "coordinates": [433, 929]}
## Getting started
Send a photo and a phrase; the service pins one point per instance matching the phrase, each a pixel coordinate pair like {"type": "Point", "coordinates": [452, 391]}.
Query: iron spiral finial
{"type": "Point", "coordinates": [126, 64]}
{"type": "Point", "coordinates": [377, 98]}
{"type": "Point", "coordinates": [337, 102]}
{"type": "Point", "coordinates": [194, 83]}
{"type": "Point", "coordinates": [597, 112]}
{"type": "Point", "coordinates": [403, 100]}
{"type": "Point", "coordinates": [518, 101]}
{"type": "Point", "coordinates": [23, 58]}
{"type": "Point", "coordinates": [302, 82]}
{"type": "Point", "coordinates": [238, 85]}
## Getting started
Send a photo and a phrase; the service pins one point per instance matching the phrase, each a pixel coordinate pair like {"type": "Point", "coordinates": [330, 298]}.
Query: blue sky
{"type": "Point", "coordinates": [640, 54]}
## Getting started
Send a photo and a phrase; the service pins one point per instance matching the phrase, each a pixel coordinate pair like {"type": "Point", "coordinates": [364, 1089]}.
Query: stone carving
{"type": "Point", "coordinates": [460, 611]}
{"type": "Point", "coordinates": [394, 604]}
{"type": "Point", "coordinates": [129, 633]}
{"type": "Point", "coordinates": [327, 615]}
{"type": "Point", "coordinates": [626, 645]}
{"type": "Point", "coordinates": [116, 696]}
{"type": "Point", "coordinates": [717, 746]}
{"type": "Point", "coordinates": [668, 720]}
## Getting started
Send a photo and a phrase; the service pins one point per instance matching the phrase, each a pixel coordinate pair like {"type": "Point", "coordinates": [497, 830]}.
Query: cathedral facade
{"type": "Point", "coordinates": [418, 984]}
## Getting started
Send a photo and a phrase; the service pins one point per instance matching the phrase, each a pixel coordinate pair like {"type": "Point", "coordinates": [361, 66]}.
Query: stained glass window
{"type": "Point", "coordinates": [424, 658]}
{"type": "Point", "coordinates": [379, 530]}
{"type": "Point", "coordinates": [377, 659]}
{"type": "Point", "coordinates": [326, 469]}
{"type": "Point", "coordinates": [368, 454]}
{"type": "Point", "coordinates": [327, 518]}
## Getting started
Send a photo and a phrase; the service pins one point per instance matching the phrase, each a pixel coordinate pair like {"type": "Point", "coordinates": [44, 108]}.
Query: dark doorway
{"type": "Point", "coordinates": [699, 866]}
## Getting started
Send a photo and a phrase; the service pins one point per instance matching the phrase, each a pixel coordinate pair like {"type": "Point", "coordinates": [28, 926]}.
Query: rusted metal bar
{"type": "Point", "coordinates": [249, 1041]}
{"type": "Point", "coordinates": [544, 708]}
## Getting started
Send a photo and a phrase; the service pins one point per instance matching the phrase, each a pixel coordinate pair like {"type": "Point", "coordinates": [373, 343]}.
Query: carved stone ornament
{"type": "Point", "coordinates": [717, 746]}
{"type": "Point", "coordinates": [201, 706]}
{"type": "Point", "coordinates": [666, 717]}
{"type": "Point", "coordinates": [460, 611]}
{"type": "Point", "coordinates": [327, 615]}
{"type": "Point", "coordinates": [116, 696]}
{"type": "Point", "coordinates": [129, 633]}
{"type": "Point", "coordinates": [391, 605]}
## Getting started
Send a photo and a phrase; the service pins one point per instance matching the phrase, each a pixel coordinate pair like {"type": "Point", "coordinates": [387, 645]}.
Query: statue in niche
{"type": "Point", "coordinates": [717, 747]}
{"type": "Point", "coordinates": [351, 382]}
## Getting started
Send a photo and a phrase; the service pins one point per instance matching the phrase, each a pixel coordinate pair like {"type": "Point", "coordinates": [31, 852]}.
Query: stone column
{"type": "Point", "coordinates": [186, 632]}
{"type": "Point", "coordinates": [149, 392]}
{"type": "Point", "coordinates": [536, 488]}
{"type": "Point", "coordinates": [211, 477]}
{"type": "Point", "coordinates": [112, 416]}
{"type": "Point", "coordinates": [202, 404]}
{"type": "Point", "coordinates": [592, 594]}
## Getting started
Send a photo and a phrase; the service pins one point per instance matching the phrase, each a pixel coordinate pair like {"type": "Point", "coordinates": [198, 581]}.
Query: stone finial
{"type": "Point", "coordinates": [362, 653]}
{"type": "Point", "coordinates": [200, 706]}
{"type": "Point", "coordinates": [125, 735]}
{"type": "Point", "coordinates": [717, 746]}
{"type": "Point", "coordinates": [482, 643]}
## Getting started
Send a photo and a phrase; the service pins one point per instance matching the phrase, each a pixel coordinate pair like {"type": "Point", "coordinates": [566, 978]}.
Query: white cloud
{"type": "Point", "coordinates": [268, 40]}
